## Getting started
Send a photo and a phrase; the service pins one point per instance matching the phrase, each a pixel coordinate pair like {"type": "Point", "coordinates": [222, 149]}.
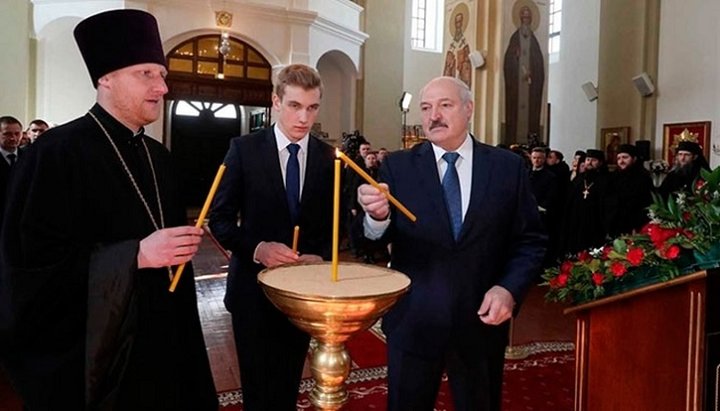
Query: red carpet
{"type": "Point", "coordinates": [541, 382]}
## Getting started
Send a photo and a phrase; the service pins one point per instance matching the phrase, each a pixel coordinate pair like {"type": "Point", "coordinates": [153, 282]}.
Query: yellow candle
{"type": "Point", "coordinates": [336, 221]}
{"type": "Point", "coordinates": [296, 237]}
{"type": "Point", "coordinates": [377, 185]}
{"type": "Point", "coordinates": [200, 220]}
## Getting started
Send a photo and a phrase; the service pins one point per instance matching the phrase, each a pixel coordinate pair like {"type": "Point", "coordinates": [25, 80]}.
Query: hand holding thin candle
{"type": "Point", "coordinates": [169, 246]}
{"type": "Point", "coordinates": [373, 201]}
{"type": "Point", "coordinates": [371, 181]}
{"type": "Point", "coordinates": [271, 254]}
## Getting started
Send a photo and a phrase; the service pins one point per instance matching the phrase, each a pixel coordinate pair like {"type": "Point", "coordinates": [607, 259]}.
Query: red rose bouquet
{"type": "Point", "coordinates": [682, 236]}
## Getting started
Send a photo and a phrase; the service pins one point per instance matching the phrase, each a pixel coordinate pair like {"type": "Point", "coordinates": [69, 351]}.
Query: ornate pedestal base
{"type": "Point", "coordinates": [331, 312]}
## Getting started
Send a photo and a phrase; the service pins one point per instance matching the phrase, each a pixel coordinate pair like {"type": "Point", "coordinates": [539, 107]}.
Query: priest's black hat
{"type": "Point", "coordinates": [593, 153]}
{"type": "Point", "coordinates": [689, 146]}
{"type": "Point", "coordinates": [629, 149]}
{"type": "Point", "coordinates": [117, 39]}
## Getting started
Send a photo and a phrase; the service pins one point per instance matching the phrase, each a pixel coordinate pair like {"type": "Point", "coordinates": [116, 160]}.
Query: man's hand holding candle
{"type": "Point", "coordinates": [373, 201]}
{"type": "Point", "coordinates": [271, 254]}
{"type": "Point", "coordinates": [169, 246]}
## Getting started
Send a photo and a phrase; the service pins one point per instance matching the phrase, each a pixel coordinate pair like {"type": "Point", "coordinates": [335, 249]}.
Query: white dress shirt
{"type": "Point", "coordinates": [283, 154]}
{"type": "Point", "coordinates": [375, 229]}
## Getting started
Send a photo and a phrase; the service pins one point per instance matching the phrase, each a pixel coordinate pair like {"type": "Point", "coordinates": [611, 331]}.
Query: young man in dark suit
{"type": "Point", "coordinates": [276, 178]}
{"type": "Point", "coordinates": [475, 250]}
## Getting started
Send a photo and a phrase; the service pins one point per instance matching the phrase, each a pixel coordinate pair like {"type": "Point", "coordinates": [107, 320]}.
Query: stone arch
{"type": "Point", "coordinates": [339, 76]}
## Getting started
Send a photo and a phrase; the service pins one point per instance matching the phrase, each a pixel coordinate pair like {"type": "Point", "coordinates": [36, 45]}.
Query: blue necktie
{"type": "Point", "coordinates": [451, 191]}
{"type": "Point", "coordinates": [292, 182]}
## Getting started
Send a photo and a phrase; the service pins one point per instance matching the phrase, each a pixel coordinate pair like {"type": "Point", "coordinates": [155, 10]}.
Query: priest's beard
{"type": "Point", "coordinates": [686, 170]}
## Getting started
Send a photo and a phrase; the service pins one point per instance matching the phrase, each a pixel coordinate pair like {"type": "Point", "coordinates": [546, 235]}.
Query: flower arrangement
{"type": "Point", "coordinates": [682, 236]}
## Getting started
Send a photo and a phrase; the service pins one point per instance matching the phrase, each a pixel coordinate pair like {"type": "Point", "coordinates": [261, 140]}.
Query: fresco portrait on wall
{"type": "Point", "coordinates": [524, 72]}
{"type": "Point", "coordinates": [457, 54]}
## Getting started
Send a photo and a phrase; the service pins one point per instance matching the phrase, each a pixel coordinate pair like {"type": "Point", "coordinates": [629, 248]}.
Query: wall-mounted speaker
{"type": "Point", "coordinates": [590, 91]}
{"type": "Point", "coordinates": [643, 84]}
{"type": "Point", "coordinates": [476, 59]}
{"type": "Point", "coordinates": [643, 149]}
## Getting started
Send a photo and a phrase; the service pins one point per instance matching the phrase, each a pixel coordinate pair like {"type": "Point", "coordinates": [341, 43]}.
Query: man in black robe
{"type": "Point", "coordinates": [584, 216]}
{"type": "Point", "coordinates": [545, 187]}
{"type": "Point", "coordinates": [556, 163]}
{"type": "Point", "coordinates": [689, 160]}
{"type": "Point", "coordinates": [629, 193]}
{"type": "Point", "coordinates": [93, 228]}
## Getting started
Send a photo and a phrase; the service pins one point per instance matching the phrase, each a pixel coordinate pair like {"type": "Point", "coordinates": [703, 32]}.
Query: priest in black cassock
{"type": "Point", "coordinates": [629, 193]}
{"type": "Point", "coordinates": [689, 160]}
{"type": "Point", "coordinates": [93, 226]}
{"type": "Point", "coordinates": [584, 217]}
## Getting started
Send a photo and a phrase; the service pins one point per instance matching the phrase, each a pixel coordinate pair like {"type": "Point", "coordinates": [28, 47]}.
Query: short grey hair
{"type": "Point", "coordinates": [463, 89]}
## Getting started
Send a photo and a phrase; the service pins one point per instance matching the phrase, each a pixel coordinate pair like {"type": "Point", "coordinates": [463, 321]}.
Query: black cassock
{"type": "Point", "coordinates": [584, 216]}
{"type": "Point", "coordinates": [82, 326]}
{"type": "Point", "coordinates": [629, 195]}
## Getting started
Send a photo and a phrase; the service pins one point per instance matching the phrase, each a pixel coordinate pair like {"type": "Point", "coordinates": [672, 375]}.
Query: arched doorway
{"type": "Point", "coordinates": [339, 78]}
{"type": "Point", "coordinates": [219, 87]}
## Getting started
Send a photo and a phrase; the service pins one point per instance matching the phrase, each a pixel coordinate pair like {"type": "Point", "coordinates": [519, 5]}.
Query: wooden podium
{"type": "Point", "coordinates": [652, 348]}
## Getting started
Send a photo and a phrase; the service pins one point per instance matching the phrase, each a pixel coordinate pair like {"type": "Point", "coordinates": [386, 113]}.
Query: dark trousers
{"type": "Point", "coordinates": [271, 352]}
{"type": "Point", "coordinates": [475, 378]}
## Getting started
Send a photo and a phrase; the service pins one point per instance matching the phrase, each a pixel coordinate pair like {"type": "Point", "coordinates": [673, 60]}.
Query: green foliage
{"type": "Point", "coordinates": [683, 226]}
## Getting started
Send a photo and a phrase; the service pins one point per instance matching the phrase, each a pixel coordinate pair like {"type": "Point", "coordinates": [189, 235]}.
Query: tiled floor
{"type": "Point", "coordinates": [537, 321]}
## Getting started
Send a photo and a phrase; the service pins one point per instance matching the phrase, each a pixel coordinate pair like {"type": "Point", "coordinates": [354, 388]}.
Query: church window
{"type": "Point", "coordinates": [195, 108]}
{"type": "Point", "coordinates": [426, 25]}
{"type": "Point", "coordinates": [219, 57]}
{"type": "Point", "coordinates": [555, 26]}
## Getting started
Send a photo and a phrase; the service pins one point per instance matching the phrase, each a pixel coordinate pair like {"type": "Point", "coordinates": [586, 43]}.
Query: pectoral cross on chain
{"type": "Point", "coordinates": [586, 192]}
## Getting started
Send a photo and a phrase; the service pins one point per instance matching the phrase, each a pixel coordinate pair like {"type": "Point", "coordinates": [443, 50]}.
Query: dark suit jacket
{"type": "Point", "coordinates": [501, 243]}
{"type": "Point", "coordinates": [4, 177]}
{"type": "Point", "coordinates": [252, 190]}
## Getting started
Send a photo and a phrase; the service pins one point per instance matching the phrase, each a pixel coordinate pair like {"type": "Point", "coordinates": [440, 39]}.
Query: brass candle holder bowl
{"type": "Point", "coordinates": [331, 312]}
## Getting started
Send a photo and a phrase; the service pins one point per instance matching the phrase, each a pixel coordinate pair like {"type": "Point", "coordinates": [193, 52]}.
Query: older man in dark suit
{"type": "Point", "coordinates": [472, 255]}
{"type": "Point", "coordinates": [276, 178]}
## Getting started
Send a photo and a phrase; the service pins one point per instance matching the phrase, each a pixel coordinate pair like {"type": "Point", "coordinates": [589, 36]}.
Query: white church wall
{"type": "Point", "coordinates": [688, 83]}
{"type": "Point", "coordinates": [338, 104]}
{"type": "Point", "coordinates": [420, 67]}
{"type": "Point", "coordinates": [573, 119]}
{"type": "Point", "coordinates": [64, 88]}
{"type": "Point", "coordinates": [383, 73]}
{"type": "Point", "coordinates": [15, 64]}
{"type": "Point", "coordinates": [342, 12]}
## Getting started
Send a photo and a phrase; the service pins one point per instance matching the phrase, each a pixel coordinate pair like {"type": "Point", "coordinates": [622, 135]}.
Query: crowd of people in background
{"type": "Point", "coordinates": [360, 150]}
{"type": "Point", "coordinates": [13, 141]}
{"type": "Point", "coordinates": [585, 204]}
